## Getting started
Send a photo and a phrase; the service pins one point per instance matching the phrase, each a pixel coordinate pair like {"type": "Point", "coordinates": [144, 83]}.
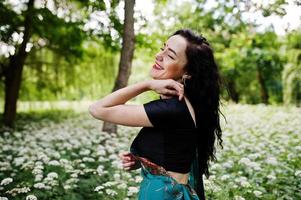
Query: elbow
{"type": "Point", "coordinates": [94, 112]}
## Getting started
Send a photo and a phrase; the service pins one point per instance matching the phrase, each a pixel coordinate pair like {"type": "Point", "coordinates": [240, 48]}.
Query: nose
{"type": "Point", "coordinates": [159, 57]}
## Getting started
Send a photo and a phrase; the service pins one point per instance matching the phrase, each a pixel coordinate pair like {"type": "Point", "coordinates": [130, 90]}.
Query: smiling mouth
{"type": "Point", "coordinates": [157, 66]}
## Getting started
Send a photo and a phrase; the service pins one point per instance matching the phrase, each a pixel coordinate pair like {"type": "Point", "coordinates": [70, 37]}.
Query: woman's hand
{"type": "Point", "coordinates": [128, 161]}
{"type": "Point", "coordinates": [167, 87]}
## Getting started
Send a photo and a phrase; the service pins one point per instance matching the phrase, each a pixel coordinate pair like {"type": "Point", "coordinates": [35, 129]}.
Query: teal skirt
{"type": "Point", "coordinates": [159, 185]}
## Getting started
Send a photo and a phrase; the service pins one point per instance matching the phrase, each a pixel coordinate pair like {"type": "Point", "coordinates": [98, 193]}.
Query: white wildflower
{"type": "Point", "coordinates": [272, 160]}
{"type": "Point", "coordinates": [88, 159]}
{"type": "Point", "coordinates": [31, 197]}
{"type": "Point", "coordinates": [225, 177]}
{"type": "Point", "coordinates": [84, 152]}
{"type": "Point", "coordinates": [37, 171]}
{"type": "Point", "coordinates": [116, 176]}
{"type": "Point", "coordinates": [19, 161]}
{"type": "Point", "coordinates": [239, 198]}
{"type": "Point", "coordinates": [271, 177]}
{"type": "Point", "coordinates": [101, 152]}
{"type": "Point", "coordinates": [54, 163]}
{"type": "Point", "coordinates": [6, 181]}
{"type": "Point", "coordinates": [227, 164]}
{"type": "Point", "coordinates": [109, 184]}
{"type": "Point", "coordinates": [38, 177]}
{"type": "Point", "coordinates": [243, 181]}
{"type": "Point", "coordinates": [6, 133]}
{"type": "Point", "coordinates": [100, 170]}
{"type": "Point", "coordinates": [138, 179]}
{"type": "Point", "coordinates": [122, 185]}
{"type": "Point", "coordinates": [15, 191]}
{"type": "Point", "coordinates": [67, 187]}
{"type": "Point", "coordinates": [98, 188]}
{"type": "Point", "coordinates": [257, 193]}
{"type": "Point", "coordinates": [132, 190]}
{"type": "Point", "coordinates": [298, 173]}
{"type": "Point", "coordinates": [244, 161]}
{"type": "Point", "coordinates": [39, 185]}
{"type": "Point", "coordinates": [52, 175]}
{"type": "Point", "coordinates": [111, 192]}
{"type": "Point", "coordinates": [255, 166]}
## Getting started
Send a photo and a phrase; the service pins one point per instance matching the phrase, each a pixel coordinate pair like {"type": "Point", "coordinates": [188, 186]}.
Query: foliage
{"type": "Point", "coordinates": [70, 61]}
{"type": "Point", "coordinates": [57, 79]}
{"type": "Point", "coordinates": [291, 74]}
{"type": "Point", "coordinates": [241, 51]}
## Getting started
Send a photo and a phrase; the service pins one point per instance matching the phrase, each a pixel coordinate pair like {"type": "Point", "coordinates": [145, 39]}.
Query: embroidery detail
{"type": "Point", "coordinates": [159, 170]}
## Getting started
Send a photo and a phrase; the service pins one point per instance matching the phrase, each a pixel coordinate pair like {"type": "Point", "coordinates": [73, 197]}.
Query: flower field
{"type": "Point", "coordinates": [69, 157]}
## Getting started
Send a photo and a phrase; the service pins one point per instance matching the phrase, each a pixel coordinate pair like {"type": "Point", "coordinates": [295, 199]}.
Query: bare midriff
{"type": "Point", "coordinates": [179, 177]}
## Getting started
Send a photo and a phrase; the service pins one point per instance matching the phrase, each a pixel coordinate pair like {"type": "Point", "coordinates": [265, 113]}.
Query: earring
{"type": "Point", "coordinates": [183, 80]}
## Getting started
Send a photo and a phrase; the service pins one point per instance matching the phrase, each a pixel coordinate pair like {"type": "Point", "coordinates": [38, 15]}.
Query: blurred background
{"type": "Point", "coordinates": [70, 50]}
{"type": "Point", "coordinates": [58, 56]}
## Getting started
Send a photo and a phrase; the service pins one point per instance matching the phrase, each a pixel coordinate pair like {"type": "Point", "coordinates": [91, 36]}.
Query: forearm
{"type": "Point", "coordinates": [121, 96]}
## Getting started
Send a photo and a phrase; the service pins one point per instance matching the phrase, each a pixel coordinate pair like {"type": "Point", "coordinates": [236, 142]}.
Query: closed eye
{"type": "Point", "coordinates": [162, 49]}
{"type": "Point", "coordinates": [170, 57]}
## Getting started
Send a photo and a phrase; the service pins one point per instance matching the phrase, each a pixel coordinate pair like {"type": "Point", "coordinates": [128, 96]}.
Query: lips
{"type": "Point", "coordinates": [157, 66]}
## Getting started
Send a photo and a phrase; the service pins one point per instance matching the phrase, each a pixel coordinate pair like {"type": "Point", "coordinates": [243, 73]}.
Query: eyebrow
{"type": "Point", "coordinates": [171, 50]}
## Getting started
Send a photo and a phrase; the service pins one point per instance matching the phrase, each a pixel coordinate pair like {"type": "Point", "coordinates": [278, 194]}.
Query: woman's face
{"type": "Point", "coordinates": [170, 60]}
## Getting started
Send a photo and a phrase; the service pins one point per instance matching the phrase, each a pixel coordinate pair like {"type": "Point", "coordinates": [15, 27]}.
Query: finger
{"type": "Point", "coordinates": [127, 159]}
{"type": "Point", "coordinates": [182, 96]}
{"type": "Point", "coordinates": [128, 164]}
{"type": "Point", "coordinates": [172, 92]}
{"type": "Point", "coordinates": [127, 153]}
{"type": "Point", "coordinates": [178, 87]}
{"type": "Point", "coordinates": [124, 154]}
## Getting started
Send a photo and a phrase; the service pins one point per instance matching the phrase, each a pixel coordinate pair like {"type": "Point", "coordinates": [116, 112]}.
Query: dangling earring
{"type": "Point", "coordinates": [183, 80]}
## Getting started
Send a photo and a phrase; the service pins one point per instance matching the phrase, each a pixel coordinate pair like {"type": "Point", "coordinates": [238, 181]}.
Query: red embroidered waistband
{"type": "Point", "coordinates": [159, 170]}
{"type": "Point", "coordinates": [152, 167]}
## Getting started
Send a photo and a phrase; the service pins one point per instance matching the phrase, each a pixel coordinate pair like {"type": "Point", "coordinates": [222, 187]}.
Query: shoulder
{"type": "Point", "coordinates": [164, 112]}
{"type": "Point", "coordinates": [172, 105]}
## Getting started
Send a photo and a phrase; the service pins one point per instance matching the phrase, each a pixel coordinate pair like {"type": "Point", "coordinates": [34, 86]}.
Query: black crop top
{"type": "Point", "coordinates": [171, 142]}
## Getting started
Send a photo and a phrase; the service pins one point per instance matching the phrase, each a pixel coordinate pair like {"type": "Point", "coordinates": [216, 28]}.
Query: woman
{"type": "Point", "coordinates": [176, 143]}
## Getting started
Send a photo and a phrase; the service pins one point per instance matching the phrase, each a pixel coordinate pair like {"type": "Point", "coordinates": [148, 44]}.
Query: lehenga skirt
{"type": "Point", "coordinates": [157, 184]}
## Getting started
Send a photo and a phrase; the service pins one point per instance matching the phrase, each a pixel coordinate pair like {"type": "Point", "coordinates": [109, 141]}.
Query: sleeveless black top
{"type": "Point", "coordinates": [171, 142]}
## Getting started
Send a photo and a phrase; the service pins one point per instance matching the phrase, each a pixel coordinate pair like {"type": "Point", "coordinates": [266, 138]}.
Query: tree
{"type": "Point", "coordinates": [127, 52]}
{"type": "Point", "coordinates": [35, 24]}
{"type": "Point", "coordinates": [60, 34]}
{"type": "Point", "coordinates": [291, 75]}
{"type": "Point", "coordinates": [13, 73]}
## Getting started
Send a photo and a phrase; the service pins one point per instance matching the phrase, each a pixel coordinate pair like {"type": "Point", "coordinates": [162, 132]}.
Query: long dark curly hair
{"type": "Point", "coordinates": [203, 91]}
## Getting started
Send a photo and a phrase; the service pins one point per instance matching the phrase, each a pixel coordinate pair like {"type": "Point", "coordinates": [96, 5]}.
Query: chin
{"type": "Point", "coordinates": [153, 75]}
{"type": "Point", "coordinates": [157, 75]}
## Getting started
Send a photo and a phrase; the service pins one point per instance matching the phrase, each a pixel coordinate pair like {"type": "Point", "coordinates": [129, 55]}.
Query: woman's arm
{"type": "Point", "coordinates": [122, 95]}
{"type": "Point", "coordinates": [112, 108]}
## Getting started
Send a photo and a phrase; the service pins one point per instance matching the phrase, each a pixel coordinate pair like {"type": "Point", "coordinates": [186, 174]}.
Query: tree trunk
{"type": "Point", "coordinates": [127, 52]}
{"type": "Point", "coordinates": [263, 90]}
{"type": "Point", "coordinates": [232, 91]}
{"type": "Point", "coordinates": [13, 76]}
